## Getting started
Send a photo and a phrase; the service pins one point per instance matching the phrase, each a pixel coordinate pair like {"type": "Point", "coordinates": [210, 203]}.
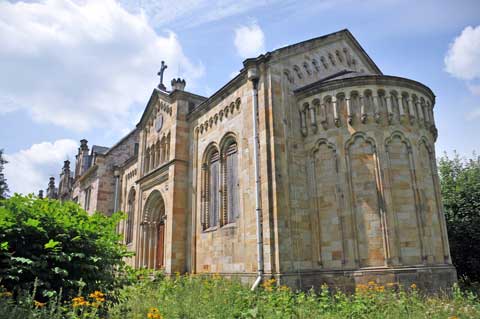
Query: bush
{"type": "Point", "coordinates": [59, 246]}
{"type": "Point", "coordinates": [460, 185]}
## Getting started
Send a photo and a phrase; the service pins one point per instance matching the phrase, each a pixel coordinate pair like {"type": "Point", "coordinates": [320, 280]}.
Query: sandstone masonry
{"type": "Point", "coordinates": [348, 178]}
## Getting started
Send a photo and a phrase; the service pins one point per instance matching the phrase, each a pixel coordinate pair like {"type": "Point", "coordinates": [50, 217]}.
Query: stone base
{"type": "Point", "coordinates": [431, 279]}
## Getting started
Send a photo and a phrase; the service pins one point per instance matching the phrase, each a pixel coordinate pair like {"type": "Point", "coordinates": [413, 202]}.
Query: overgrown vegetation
{"type": "Point", "coordinates": [214, 297]}
{"type": "Point", "coordinates": [3, 181]}
{"type": "Point", "coordinates": [460, 184]}
{"type": "Point", "coordinates": [59, 246]}
{"type": "Point", "coordinates": [56, 262]}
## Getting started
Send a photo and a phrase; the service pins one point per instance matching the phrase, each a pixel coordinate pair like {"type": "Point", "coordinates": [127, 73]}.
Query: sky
{"type": "Point", "coordinates": [73, 69]}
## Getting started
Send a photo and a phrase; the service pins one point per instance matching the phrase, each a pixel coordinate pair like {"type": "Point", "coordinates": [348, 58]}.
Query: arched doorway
{"type": "Point", "coordinates": [152, 243]}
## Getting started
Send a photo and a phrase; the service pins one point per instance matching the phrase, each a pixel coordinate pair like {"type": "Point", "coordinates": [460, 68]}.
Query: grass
{"type": "Point", "coordinates": [194, 296]}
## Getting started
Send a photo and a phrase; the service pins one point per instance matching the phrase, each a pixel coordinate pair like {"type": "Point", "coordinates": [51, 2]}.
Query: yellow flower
{"type": "Point", "coordinates": [79, 301]}
{"type": "Point", "coordinates": [38, 304]}
{"type": "Point", "coordinates": [154, 313]}
{"type": "Point", "coordinates": [361, 288]}
{"type": "Point", "coordinates": [380, 288]}
{"type": "Point", "coordinates": [284, 288]}
{"type": "Point", "coordinates": [453, 317]}
{"type": "Point", "coordinates": [98, 296]}
{"type": "Point", "coordinates": [268, 285]}
{"type": "Point", "coordinates": [413, 286]}
{"type": "Point", "coordinates": [390, 284]}
{"type": "Point", "coordinates": [7, 294]}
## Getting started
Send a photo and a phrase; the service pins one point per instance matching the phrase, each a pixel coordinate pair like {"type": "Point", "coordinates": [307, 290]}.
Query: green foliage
{"type": "Point", "coordinates": [59, 245]}
{"type": "Point", "coordinates": [213, 297]}
{"type": "Point", "coordinates": [157, 297]}
{"type": "Point", "coordinates": [3, 181]}
{"type": "Point", "coordinates": [460, 184]}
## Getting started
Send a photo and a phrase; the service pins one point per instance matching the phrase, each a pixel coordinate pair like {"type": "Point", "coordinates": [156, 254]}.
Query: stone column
{"type": "Point", "coordinates": [349, 111]}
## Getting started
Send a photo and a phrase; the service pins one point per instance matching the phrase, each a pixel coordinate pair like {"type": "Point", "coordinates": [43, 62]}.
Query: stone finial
{"type": "Point", "coordinates": [51, 183]}
{"type": "Point", "coordinates": [51, 190]}
{"type": "Point", "coordinates": [83, 144]}
{"type": "Point", "coordinates": [40, 194]}
{"type": "Point", "coordinates": [178, 84]}
{"type": "Point", "coordinates": [66, 166]}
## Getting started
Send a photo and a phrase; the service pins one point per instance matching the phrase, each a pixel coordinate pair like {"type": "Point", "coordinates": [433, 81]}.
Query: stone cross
{"type": "Point", "coordinates": [160, 74]}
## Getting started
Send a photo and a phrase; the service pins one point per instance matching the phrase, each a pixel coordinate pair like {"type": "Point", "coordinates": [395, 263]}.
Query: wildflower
{"type": "Point", "coordinates": [154, 313]}
{"type": "Point", "coordinates": [380, 288]}
{"type": "Point", "coordinates": [98, 296]}
{"type": "Point", "coordinates": [390, 284]}
{"type": "Point", "coordinates": [38, 304]}
{"type": "Point", "coordinates": [268, 285]}
{"type": "Point", "coordinates": [7, 294]}
{"type": "Point", "coordinates": [284, 288]}
{"type": "Point", "coordinates": [453, 317]}
{"type": "Point", "coordinates": [361, 288]}
{"type": "Point", "coordinates": [413, 286]}
{"type": "Point", "coordinates": [79, 302]}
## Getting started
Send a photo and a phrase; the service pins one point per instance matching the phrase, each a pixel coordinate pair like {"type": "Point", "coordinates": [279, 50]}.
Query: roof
{"type": "Point", "coordinates": [345, 74]}
{"type": "Point", "coordinates": [102, 150]}
{"type": "Point", "coordinates": [265, 57]}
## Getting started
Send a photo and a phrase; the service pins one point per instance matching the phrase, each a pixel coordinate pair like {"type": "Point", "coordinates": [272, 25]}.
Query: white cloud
{"type": "Point", "coordinates": [83, 63]}
{"type": "Point", "coordinates": [190, 13]}
{"type": "Point", "coordinates": [249, 40]}
{"type": "Point", "coordinates": [28, 170]}
{"type": "Point", "coordinates": [463, 57]}
{"type": "Point", "coordinates": [474, 88]}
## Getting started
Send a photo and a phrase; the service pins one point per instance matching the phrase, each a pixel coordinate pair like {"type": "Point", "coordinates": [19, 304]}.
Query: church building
{"type": "Point", "coordinates": [310, 166]}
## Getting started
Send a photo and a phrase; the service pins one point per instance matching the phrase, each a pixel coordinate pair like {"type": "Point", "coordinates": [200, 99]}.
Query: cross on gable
{"type": "Point", "coordinates": [160, 74]}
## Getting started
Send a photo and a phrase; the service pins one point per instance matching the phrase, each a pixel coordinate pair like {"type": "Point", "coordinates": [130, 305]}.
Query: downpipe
{"type": "Point", "coordinates": [253, 76]}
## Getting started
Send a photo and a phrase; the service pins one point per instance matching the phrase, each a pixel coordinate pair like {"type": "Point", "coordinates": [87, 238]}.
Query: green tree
{"type": "Point", "coordinates": [460, 183]}
{"type": "Point", "coordinates": [59, 245]}
{"type": "Point", "coordinates": [3, 181]}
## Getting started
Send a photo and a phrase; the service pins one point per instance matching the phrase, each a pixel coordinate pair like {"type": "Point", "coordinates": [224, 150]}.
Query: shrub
{"type": "Point", "coordinates": [59, 245]}
{"type": "Point", "coordinates": [460, 185]}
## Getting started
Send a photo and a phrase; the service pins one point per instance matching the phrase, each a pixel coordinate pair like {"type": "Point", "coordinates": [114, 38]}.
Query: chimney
{"type": "Point", "coordinates": [178, 84]}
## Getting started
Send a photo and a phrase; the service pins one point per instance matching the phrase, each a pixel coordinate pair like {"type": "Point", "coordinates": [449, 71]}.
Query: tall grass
{"type": "Point", "coordinates": [215, 297]}
{"type": "Point", "coordinates": [193, 296]}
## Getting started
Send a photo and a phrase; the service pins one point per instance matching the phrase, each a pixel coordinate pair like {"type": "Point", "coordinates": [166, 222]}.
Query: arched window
{"type": "Point", "coordinates": [211, 189]}
{"type": "Point", "coordinates": [130, 216]}
{"type": "Point", "coordinates": [230, 183]}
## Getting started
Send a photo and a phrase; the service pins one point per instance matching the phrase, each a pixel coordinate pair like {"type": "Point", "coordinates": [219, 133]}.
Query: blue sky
{"type": "Point", "coordinates": [85, 69]}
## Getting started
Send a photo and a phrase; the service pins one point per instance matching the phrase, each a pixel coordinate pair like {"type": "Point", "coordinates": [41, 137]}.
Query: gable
{"type": "Point", "coordinates": [159, 102]}
{"type": "Point", "coordinates": [322, 58]}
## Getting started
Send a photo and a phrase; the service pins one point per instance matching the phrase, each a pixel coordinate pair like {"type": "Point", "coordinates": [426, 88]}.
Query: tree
{"type": "Point", "coordinates": [460, 184]}
{"type": "Point", "coordinates": [59, 246]}
{"type": "Point", "coordinates": [3, 181]}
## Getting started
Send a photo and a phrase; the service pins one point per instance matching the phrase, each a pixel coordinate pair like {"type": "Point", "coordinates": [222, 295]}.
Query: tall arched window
{"type": "Point", "coordinates": [211, 188]}
{"type": "Point", "coordinates": [230, 183]}
{"type": "Point", "coordinates": [130, 216]}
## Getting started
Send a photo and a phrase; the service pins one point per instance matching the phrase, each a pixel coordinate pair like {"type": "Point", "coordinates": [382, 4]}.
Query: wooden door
{"type": "Point", "coordinates": [160, 245]}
